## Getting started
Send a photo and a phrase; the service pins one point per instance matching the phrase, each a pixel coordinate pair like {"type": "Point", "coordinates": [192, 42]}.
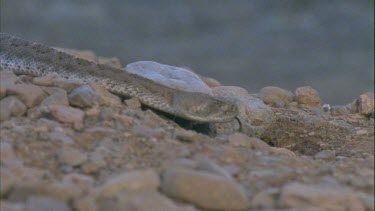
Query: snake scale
{"type": "Point", "coordinates": [35, 59]}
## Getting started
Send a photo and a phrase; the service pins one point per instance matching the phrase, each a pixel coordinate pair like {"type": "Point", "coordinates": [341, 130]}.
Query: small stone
{"type": "Point", "coordinates": [242, 140]}
{"type": "Point", "coordinates": [366, 104]}
{"type": "Point", "coordinates": [3, 91]}
{"type": "Point", "coordinates": [205, 190]}
{"type": "Point", "coordinates": [11, 106]}
{"type": "Point", "coordinates": [339, 110]}
{"type": "Point", "coordinates": [133, 103]}
{"type": "Point", "coordinates": [327, 155]}
{"type": "Point", "coordinates": [45, 203]}
{"type": "Point", "coordinates": [83, 96]}
{"type": "Point", "coordinates": [309, 96]}
{"type": "Point", "coordinates": [283, 152]}
{"type": "Point", "coordinates": [265, 199]}
{"type": "Point", "coordinates": [67, 84]}
{"type": "Point", "coordinates": [361, 132]}
{"type": "Point", "coordinates": [72, 156]}
{"type": "Point", "coordinates": [66, 114]}
{"type": "Point", "coordinates": [187, 135]}
{"type": "Point", "coordinates": [105, 97]}
{"type": "Point", "coordinates": [44, 80]}
{"type": "Point", "coordinates": [273, 95]}
{"type": "Point", "coordinates": [210, 82]}
{"type": "Point", "coordinates": [60, 137]}
{"type": "Point", "coordinates": [210, 167]}
{"type": "Point", "coordinates": [327, 198]}
{"type": "Point", "coordinates": [6, 152]}
{"type": "Point", "coordinates": [7, 78]}
{"type": "Point", "coordinates": [29, 94]}
{"type": "Point", "coordinates": [170, 76]}
{"type": "Point", "coordinates": [135, 181]}
{"type": "Point", "coordinates": [59, 97]}
{"type": "Point", "coordinates": [326, 107]}
{"type": "Point", "coordinates": [87, 203]}
{"type": "Point", "coordinates": [113, 62]}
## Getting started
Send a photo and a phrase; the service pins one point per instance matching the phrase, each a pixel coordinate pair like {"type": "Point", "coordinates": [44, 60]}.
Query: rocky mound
{"type": "Point", "coordinates": [67, 145]}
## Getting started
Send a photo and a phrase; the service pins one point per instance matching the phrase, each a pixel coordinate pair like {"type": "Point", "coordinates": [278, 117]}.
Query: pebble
{"type": "Point", "coordinates": [66, 114]}
{"type": "Point", "coordinates": [133, 103]}
{"type": "Point", "coordinates": [135, 181]}
{"type": "Point", "coordinates": [320, 197]}
{"type": "Point", "coordinates": [29, 94]}
{"type": "Point", "coordinates": [105, 97]}
{"type": "Point", "coordinates": [204, 190]}
{"type": "Point", "coordinates": [3, 91]}
{"type": "Point", "coordinates": [83, 96]}
{"type": "Point", "coordinates": [72, 156]}
{"type": "Point", "coordinates": [242, 140]}
{"type": "Point", "coordinates": [7, 78]}
{"type": "Point", "coordinates": [210, 82]}
{"type": "Point", "coordinates": [339, 110]}
{"type": "Point", "coordinates": [187, 135]}
{"type": "Point", "coordinates": [11, 106]}
{"type": "Point", "coordinates": [307, 95]}
{"type": "Point", "coordinates": [327, 155]}
{"type": "Point", "coordinates": [173, 77]}
{"type": "Point", "coordinates": [366, 104]}
{"type": "Point", "coordinates": [45, 203]}
{"type": "Point", "coordinates": [44, 80]}
{"type": "Point", "coordinates": [60, 137]}
{"type": "Point", "coordinates": [265, 199]}
{"type": "Point", "coordinates": [274, 95]}
{"type": "Point", "coordinates": [283, 152]}
{"type": "Point", "coordinates": [66, 84]}
{"type": "Point", "coordinates": [6, 152]}
{"type": "Point", "coordinates": [254, 115]}
{"type": "Point", "coordinates": [58, 97]}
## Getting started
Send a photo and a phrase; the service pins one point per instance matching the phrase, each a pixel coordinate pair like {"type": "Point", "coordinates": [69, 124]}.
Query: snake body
{"type": "Point", "coordinates": [35, 59]}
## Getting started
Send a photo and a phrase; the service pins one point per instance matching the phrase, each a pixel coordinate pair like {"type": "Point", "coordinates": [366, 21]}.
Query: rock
{"type": "Point", "coordinates": [7, 78]}
{"type": "Point", "coordinates": [225, 128]}
{"type": "Point", "coordinates": [266, 199]}
{"type": "Point", "coordinates": [66, 114]}
{"type": "Point", "coordinates": [274, 95]}
{"type": "Point", "coordinates": [327, 155]}
{"type": "Point", "coordinates": [133, 103]}
{"type": "Point", "coordinates": [83, 96]}
{"type": "Point", "coordinates": [187, 135]}
{"type": "Point", "coordinates": [59, 97]}
{"type": "Point", "coordinates": [307, 95]}
{"type": "Point", "coordinates": [205, 190]}
{"type": "Point", "coordinates": [60, 137]}
{"type": "Point", "coordinates": [327, 198]}
{"type": "Point", "coordinates": [113, 62]}
{"type": "Point", "coordinates": [134, 181]}
{"type": "Point", "coordinates": [210, 82]}
{"type": "Point", "coordinates": [7, 181]}
{"type": "Point", "coordinates": [45, 203]}
{"type": "Point", "coordinates": [87, 203]}
{"type": "Point", "coordinates": [174, 77]}
{"type": "Point", "coordinates": [66, 84]}
{"type": "Point", "coordinates": [210, 167]}
{"type": "Point", "coordinates": [29, 94]}
{"type": "Point", "coordinates": [283, 152]}
{"type": "Point", "coordinates": [45, 80]}
{"type": "Point", "coordinates": [366, 104]}
{"type": "Point", "coordinates": [146, 200]}
{"type": "Point", "coordinates": [72, 156]}
{"type": "Point", "coordinates": [11, 106]}
{"type": "Point", "coordinates": [254, 115]}
{"type": "Point", "coordinates": [339, 110]}
{"type": "Point", "coordinates": [6, 152]}
{"type": "Point", "coordinates": [105, 97]}
{"type": "Point", "coordinates": [242, 140]}
{"type": "Point", "coordinates": [367, 200]}
{"type": "Point", "coordinates": [3, 91]}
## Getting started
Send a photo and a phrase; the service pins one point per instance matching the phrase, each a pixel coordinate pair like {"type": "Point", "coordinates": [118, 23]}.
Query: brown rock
{"type": "Point", "coordinates": [45, 203]}
{"type": "Point", "coordinates": [133, 181]}
{"type": "Point", "coordinates": [7, 78]}
{"type": "Point", "coordinates": [3, 91]}
{"type": "Point", "coordinates": [83, 54]}
{"type": "Point", "coordinates": [327, 198]}
{"type": "Point", "coordinates": [67, 84]}
{"type": "Point", "coordinates": [29, 94]}
{"type": "Point", "coordinates": [72, 156]}
{"type": "Point", "coordinates": [366, 104]}
{"type": "Point", "coordinates": [283, 152]}
{"type": "Point", "coordinates": [133, 103]}
{"type": "Point", "coordinates": [105, 97]}
{"type": "Point", "coordinates": [113, 62]}
{"type": "Point", "coordinates": [274, 95]}
{"type": "Point", "coordinates": [339, 110]}
{"type": "Point", "coordinates": [327, 155]}
{"type": "Point", "coordinates": [210, 82]}
{"type": "Point", "coordinates": [7, 181]}
{"type": "Point", "coordinates": [242, 140]}
{"type": "Point", "coordinates": [58, 97]}
{"type": "Point", "coordinates": [11, 106]}
{"type": "Point", "coordinates": [205, 190]}
{"type": "Point", "coordinates": [309, 96]}
{"type": "Point", "coordinates": [83, 96]}
{"type": "Point", "coordinates": [66, 114]}
{"type": "Point", "coordinates": [44, 80]}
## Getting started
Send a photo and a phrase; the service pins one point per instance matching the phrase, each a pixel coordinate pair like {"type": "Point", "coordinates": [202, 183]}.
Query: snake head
{"type": "Point", "coordinates": [201, 107]}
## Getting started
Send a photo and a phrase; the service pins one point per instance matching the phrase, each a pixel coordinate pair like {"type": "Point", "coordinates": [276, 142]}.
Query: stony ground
{"type": "Point", "coordinates": [67, 145]}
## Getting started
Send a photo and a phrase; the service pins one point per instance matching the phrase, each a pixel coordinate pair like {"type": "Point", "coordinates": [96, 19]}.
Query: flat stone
{"type": "Point", "coordinates": [66, 84]}
{"type": "Point", "coordinates": [266, 199]}
{"type": "Point", "coordinates": [283, 152]}
{"type": "Point", "coordinates": [274, 95]}
{"type": "Point", "coordinates": [7, 181]}
{"type": "Point", "coordinates": [307, 95]}
{"type": "Point", "coordinates": [11, 106]}
{"type": "Point", "coordinates": [44, 80]}
{"type": "Point", "coordinates": [60, 137]}
{"type": "Point", "coordinates": [3, 91]}
{"type": "Point", "coordinates": [83, 96]}
{"type": "Point", "coordinates": [105, 97]}
{"type": "Point", "coordinates": [173, 77]}
{"type": "Point", "coordinates": [72, 156]}
{"type": "Point", "coordinates": [29, 94]}
{"type": "Point", "coordinates": [134, 181]}
{"type": "Point", "coordinates": [327, 198]}
{"type": "Point", "coordinates": [133, 103]}
{"type": "Point", "coordinates": [211, 167]}
{"type": "Point", "coordinates": [66, 114]}
{"type": "Point", "coordinates": [254, 115]}
{"type": "Point", "coordinates": [242, 140]}
{"type": "Point", "coordinates": [58, 97]}
{"type": "Point", "coordinates": [45, 203]}
{"type": "Point", "coordinates": [204, 190]}
{"type": "Point", "coordinates": [366, 104]}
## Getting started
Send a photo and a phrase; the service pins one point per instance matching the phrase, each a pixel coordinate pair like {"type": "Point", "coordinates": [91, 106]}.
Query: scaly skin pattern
{"type": "Point", "coordinates": [35, 59]}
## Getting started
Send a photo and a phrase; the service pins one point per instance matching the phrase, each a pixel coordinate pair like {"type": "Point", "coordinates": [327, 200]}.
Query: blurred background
{"type": "Point", "coordinates": [328, 45]}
